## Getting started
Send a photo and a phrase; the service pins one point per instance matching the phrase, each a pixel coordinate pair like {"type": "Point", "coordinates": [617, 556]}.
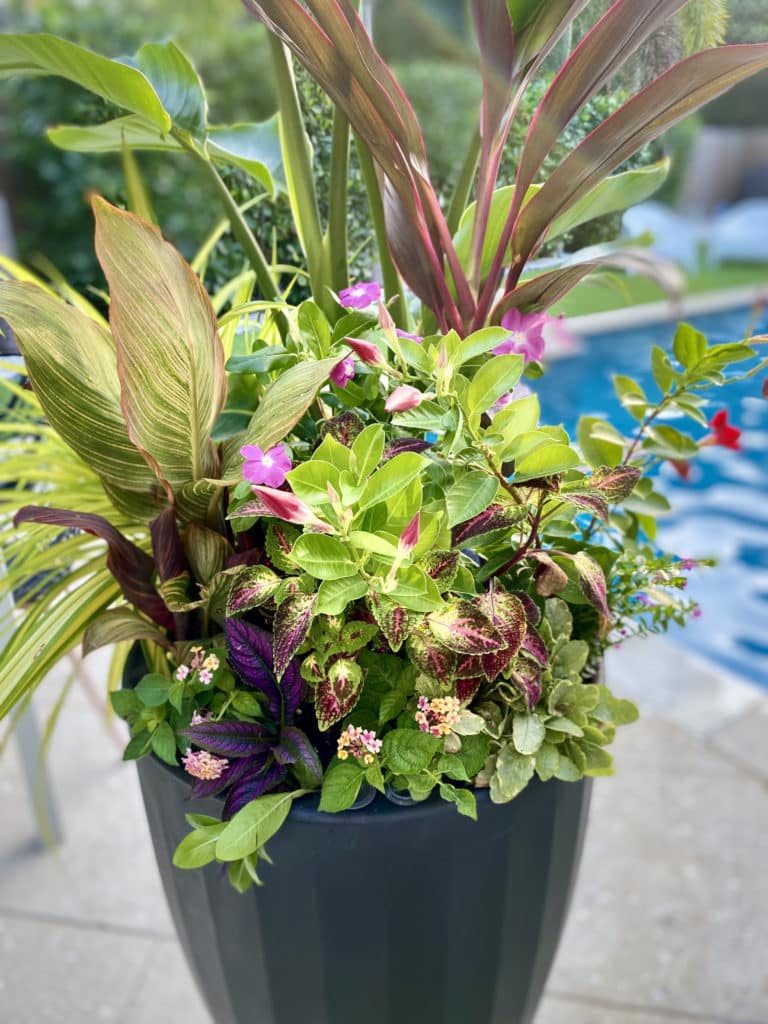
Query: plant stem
{"type": "Point", "coordinates": [393, 286]}
{"type": "Point", "coordinates": [463, 186]}
{"type": "Point", "coordinates": [336, 235]}
{"type": "Point", "coordinates": [297, 163]}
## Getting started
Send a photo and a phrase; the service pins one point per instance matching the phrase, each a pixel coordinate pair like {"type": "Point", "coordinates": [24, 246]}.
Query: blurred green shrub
{"type": "Point", "coordinates": [745, 105]}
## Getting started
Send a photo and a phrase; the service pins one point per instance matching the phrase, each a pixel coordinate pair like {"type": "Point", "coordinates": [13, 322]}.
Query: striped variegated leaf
{"type": "Point", "coordinates": [170, 359]}
{"type": "Point", "coordinates": [71, 362]}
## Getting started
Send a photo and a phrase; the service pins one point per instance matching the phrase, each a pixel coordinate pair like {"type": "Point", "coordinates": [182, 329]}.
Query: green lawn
{"type": "Point", "coordinates": [618, 291]}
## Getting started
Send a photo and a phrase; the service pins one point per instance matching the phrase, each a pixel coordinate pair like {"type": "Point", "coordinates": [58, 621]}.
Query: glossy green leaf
{"type": "Point", "coordinates": [164, 744]}
{"type": "Point", "coordinates": [176, 83]}
{"type": "Point", "coordinates": [393, 477]}
{"type": "Point", "coordinates": [170, 356]}
{"type": "Point", "coordinates": [254, 147]}
{"type": "Point", "coordinates": [494, 379]}
{"type": "Point", "coordinates": [254, 825]}
{"type": "Point", "coordinates": [118, 83]}
{"type": "Point", "coordinates": [470, 495]}
{"type": "Point", "coordinates": [341, 786]}
{"type": "Point", "coordinates": [367, 450]}
{"type": "Point", "coordinates": [601, 443]}
{"type": "Point", "coordinates": [334, 595]}
{"type": "Point", "coordinates": [546, 460]}
{"type": "Point", "coordinates": [324, 557]}
{"type": "Point", "coordinates": [198, 848]}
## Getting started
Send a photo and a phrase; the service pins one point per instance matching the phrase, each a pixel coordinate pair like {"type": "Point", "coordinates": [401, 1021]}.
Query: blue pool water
{"type": "Point", "coordinates": [721, 511]}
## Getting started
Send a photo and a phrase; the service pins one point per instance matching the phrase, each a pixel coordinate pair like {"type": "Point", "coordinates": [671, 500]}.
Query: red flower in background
{"type": "Point", "coordinates": [723, 432]}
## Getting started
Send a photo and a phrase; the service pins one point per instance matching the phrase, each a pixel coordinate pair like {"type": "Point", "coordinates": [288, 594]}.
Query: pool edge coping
{"type": "Point", "coordinates": [668, 310]}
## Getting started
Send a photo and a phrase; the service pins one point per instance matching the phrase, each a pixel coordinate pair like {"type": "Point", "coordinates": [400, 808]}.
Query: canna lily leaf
{"type": "Point", "coordinates": [131, 567]}
{"type": "Point", "coordinates": [171, 564]}
{"type": "Point", "coordinates": [170, 359]}
{"type": "Point", "coordinates": [118, 625]}
{"type": "Point", "coordinates": [177, 84]}
{"type": "Point", "coordinates": [72, 364]}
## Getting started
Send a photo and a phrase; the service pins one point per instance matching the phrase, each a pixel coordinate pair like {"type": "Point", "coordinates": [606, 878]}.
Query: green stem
{"type": "Point", "coordinates": [463, 187]}
{"type": "Point", "coordinates": [297, 163]}
{"type": "Point", "coordinates": [337, 205]}
{"type": "Point", "coordinates": [392, 284]}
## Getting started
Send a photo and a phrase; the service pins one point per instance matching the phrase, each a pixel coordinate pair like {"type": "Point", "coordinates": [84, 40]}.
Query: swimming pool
{"type": "Point", "coordinates": [721, 511]}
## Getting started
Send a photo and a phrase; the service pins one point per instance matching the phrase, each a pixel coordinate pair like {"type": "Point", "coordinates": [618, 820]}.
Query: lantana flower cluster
{"type": "Point", "coordinates": [203, 664]}
{"type": "Point", "coordinates": [361, 743]}
{"type": "Point", "coordinates": [437, 716]}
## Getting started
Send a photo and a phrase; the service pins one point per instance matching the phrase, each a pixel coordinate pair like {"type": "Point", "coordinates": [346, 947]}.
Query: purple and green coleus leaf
{"type": "Point", "coordinates": [526, 677]}
{"type": "Point", "coordinates": [394, 622]}
{"type": "Point", "coordinates": [337, 694]}
{"type": "Point", "coordinates": [589, 500]}
{"type": "Point", "coordinates": [616, 483]}
{"type": "Point", "coordinates": [592, 580]}
{"type": "Point", "coordinates": [507, 614]}
{"type": "Point", "coordinates": [464, 628]}
{"type": "Point", "coordinates": [251, 589]}
{"type": "Point", "coordinates": [290, 627]}
{"type": "Point", "coordinates": [495, 517]}
{"type": "Point", "coordinates": [406, 444]}
{"type": "Point", "coordinates": [429, 655]}
{"type": "Point", "coordinates": [441, 566]}
{"type": "Point", "coordinates": [534, 647]}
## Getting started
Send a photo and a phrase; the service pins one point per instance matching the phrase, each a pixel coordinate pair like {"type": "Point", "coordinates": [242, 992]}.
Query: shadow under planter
{"type": "Point", "coordinates": [388, 914]}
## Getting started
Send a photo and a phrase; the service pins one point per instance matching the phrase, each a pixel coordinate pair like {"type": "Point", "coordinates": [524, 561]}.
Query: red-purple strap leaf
{"type": "Point", "coordinates": [592, 579]}
{"type": "Point", "coordinates": [252, 786]}
{"type": "Point", "coordinates": [337, 694]}
{"type": "Point", "coordinates": [132, 568]}
{"type": "Point", "coordinates": [171, 562]}
{"type": "Point", "coordinates": [229, 739]}
{"type": "Point", "coordinates": [250, 655]}
{"type": "Point", "coordinates": [463, 628]}
{"type": "Point", "coordinates": [291, 625]}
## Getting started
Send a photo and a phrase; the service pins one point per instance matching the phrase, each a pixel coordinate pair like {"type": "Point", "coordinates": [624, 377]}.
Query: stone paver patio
{"type": "Point", "coordinates": [670, 917]}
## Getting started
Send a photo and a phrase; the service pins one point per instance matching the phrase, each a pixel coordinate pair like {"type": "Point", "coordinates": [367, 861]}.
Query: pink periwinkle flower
{"type": "Point", "coordinates": [269, 467]}
{"type": "Point", "coordinates": [402, 398]}
{"type": "Point", "coordinates": [526, 336]}
{"type": "Point", "coordinates": [203, 765]}
{"type": "Point", "coordinates": [697, 612]}
{"type": "Point", "coordinates": [362, 744]}
{"type": "Point", "coordinates": [343, 372]}
{"type": "Point", "coordinates": [411, 337]}
{"type": "Point", "coordinates": [367, 351]}
{"type": "Point", "coordinates": [437, 716]}
{"type": "Point", "coordinates": [360, 296]}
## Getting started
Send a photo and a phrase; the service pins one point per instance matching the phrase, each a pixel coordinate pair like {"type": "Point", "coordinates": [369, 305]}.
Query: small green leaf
{"type": "Point", "coordinates": [528, 733]}
{"type": "Point", "coordinates": [199, 847]}
{"type": "Point", "coordinates": [689, 345]}
{"type": "Point", "coordinates": [324, 557]}
{"type": "Point", "coordinates": [254, 825]}
{"type": "Point", "coordinates": [309, 481]}
{"type": "Point", "coordinates": [470, 495]}
{"type": "Point", "coordinates": [152, 690]}
{"type": "Point", "coordinates": [164, 744]}
{"type": "Point", "coordinates": [124, 702]}
{"type": "Point", "coordinates": [392, 478]}
{"type": "Point", "coordinates": [334, 595]}
{"type": "Point", "coordinates": [601, 443]}
{"type": "Point", "coordinates": [466, 803]}
{"type": "Point", "coordinates": [367, 450]}
{"type": "Point", "coordinates": [138, 746]}
{"type": "Point", "coordinates": [494, 379]}
{"type": "Point", "coordinates": [341, 786]}
{"type": "Point", "coordinates": [513, 773]}
{"type": "Point", "coordinates": [407, 750]}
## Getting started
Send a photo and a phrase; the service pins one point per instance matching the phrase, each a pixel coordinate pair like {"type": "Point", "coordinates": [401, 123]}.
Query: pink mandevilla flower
{"type": "Point", "coordinates": [286, 506]}
{"type": "Point", "coordinates": [269, 467]}
{"type": "Point", "coordinates": [360, 296]}
{"type": "Point", "coordinates": [343, 372]}
{"type": "Point", "coordinates": [409, 538]}
{"type": "Point", "coordinates": [367, 351]}
{"type": "Point", "coordinates": [411, 337]}
{"type": "Point", "coordinates": [526, 336]}
{"type": "Point", "coordinates": [402, 398]}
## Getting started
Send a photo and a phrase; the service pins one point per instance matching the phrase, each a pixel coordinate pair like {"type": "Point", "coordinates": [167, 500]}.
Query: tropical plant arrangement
{"type": "Point", "coordinates": [355, 560]}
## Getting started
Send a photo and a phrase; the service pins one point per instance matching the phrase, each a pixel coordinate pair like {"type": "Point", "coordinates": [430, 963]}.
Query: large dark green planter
{"type": "Point", "coordinates": [388, 915]}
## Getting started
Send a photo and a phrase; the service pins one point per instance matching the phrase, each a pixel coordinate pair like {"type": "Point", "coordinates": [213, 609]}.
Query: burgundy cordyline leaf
{"type": "Point", "coordinates": [337, 694]}
{"type": "Point", "coordinates": [441, 566]}
{"type": "Point", "coordinates": [291, 625]}
{"type": "Point", "coordinates": [466, 689]}
{"type": "Point", "coordinates": [250, 655]}
{"type": "Point", "coordinates": [253, 786]}
{"type": "Point", "coordinates": [495, 517]}
{"type": "Point", "coordinates": [463, 628]}
{"type": "Point", "coordinates": [550, 578]}
{"type": "Point", "coordinates": [295, 747]}
{"type": "Point", "coordinates": [431, 657]}
{"type": "Point", "coordinates": [229, 739]}
{"type": "Point", "coordinates": [171, 562]}
{"type": "Point", "coordinates": [527, 679]}
{"type": "Point", "coordinates": [232, 774]}
{"type": "Point", "coordinates": [615, 483]}
{"type": "Point", "coordinates": [535, 647]}
{"type": "Point", "coordinates": [132, 568]}
{"type": "Point", "coordinates": [592, 501]}
{"type": "Point", "coordinates": [406, 444]}
{"type": "Point", "coordinates": [592, 579]}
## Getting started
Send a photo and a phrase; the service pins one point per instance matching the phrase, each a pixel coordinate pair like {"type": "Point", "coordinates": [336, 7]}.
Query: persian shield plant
{"type": "Point", "coordinates": [353, 556]}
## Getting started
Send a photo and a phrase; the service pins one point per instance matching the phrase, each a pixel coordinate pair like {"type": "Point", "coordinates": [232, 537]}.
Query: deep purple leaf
{"type": "Point", "coordinates": [295, 747]}
{"type": "Point", "coordinates": [406, 444]}
{"type": "Point", "coordinates": [233, 773]}
{"type": "Point", "coordinates": [291, 625]}
{"type": "Point", "coordinates": [229, 739]}
{"type": "Point", "coordinates": [250, 655]}
{"type": "Point", "coordinates": [466, 689]}
{"type": "Point", "coordinates": [252, 786]}
{"type": "Point", "coordinates": [132, 568]}
{"type": "Point", "coordinates": [292, 688]}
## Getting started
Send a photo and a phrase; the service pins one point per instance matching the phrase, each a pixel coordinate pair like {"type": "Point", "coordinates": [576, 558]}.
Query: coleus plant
{"type": "Point", "coordinates": [351, 552]}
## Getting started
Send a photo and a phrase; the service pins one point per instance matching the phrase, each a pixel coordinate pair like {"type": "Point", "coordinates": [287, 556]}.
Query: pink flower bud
{"type": "Point", "coordinates": [286, 506]}
{"type": "Point", "coordinates": [409, 538]}
{"type": "Point", "coordinates": [402, 398]}
{"type": "Point", "coordinates": [367, 351]}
